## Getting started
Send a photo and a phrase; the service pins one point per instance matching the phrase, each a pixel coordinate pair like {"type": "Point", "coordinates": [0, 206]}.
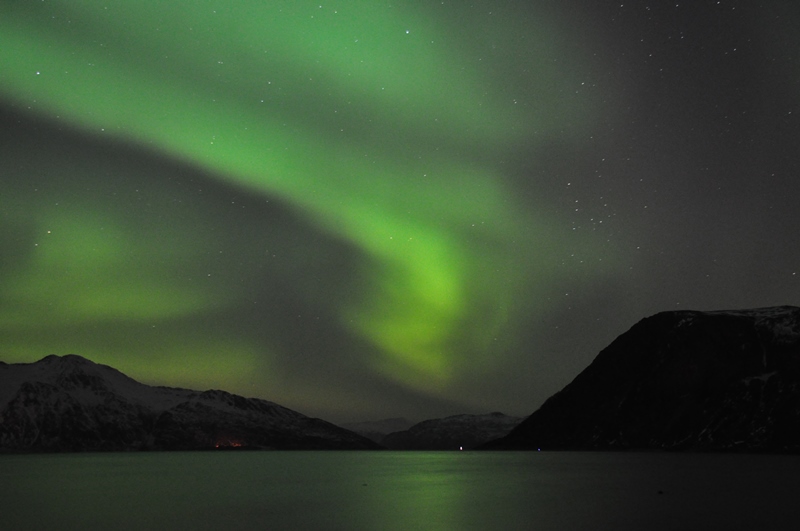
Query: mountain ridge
{"type": "Point", "coordinates": [724, 380]}
{"type": "Point", "coordinates": [456, 432]}
{"type": "Point", "coordinates": [69, 403]}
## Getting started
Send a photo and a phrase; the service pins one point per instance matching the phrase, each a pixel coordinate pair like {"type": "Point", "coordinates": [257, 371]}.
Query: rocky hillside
{"type": "Point", "coordinates": [72, 404]}
{"type": "Point", "coordinates": [682, 380]}
{"type": "Point", "coordinates": [452, 433]}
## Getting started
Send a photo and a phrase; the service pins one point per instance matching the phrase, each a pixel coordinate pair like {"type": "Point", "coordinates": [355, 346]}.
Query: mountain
{"type": "Point", "coordinates": [681, 380]}
{"type": "Point", "coordinates": [72, 404]}
{"type": "Point", "coordinates": [451, 433]}
{"type": "Point", "coordinates": [376, 430]}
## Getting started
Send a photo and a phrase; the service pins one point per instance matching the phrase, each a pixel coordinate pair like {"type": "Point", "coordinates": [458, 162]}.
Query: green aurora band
{"type": "Point", "coordinates": [388, 127]}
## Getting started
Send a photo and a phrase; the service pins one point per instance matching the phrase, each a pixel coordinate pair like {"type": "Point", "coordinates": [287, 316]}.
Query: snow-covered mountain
{"type": "Point", "coordinates": [72, 404]}
{"type": "Point", "coordinates": [709, 381]}
{"type": "Point", "coordinates": [452, 433]}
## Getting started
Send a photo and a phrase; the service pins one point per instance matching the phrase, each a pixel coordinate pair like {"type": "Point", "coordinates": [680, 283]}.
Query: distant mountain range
{"type": "Point", "coordinates": [457, 432]}
{"type": "Point", "coordinates": [681, 380]}
{"type": "Point", "coordinates": [376, 430]}
{"type": "Point", "coordinates": [72, 404]}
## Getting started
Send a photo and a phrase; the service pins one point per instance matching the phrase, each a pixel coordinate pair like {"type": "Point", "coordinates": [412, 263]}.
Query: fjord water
{"type": "Point", "coordinates": [399, 491]}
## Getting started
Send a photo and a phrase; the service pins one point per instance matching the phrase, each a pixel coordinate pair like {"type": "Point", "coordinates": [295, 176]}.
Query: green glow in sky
{"type": "Point", "coordinates": [387, 129]}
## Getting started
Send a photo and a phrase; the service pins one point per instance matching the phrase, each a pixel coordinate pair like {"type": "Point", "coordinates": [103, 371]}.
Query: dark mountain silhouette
{"type": "Point", "coordinates": [451, 433]}
{"type": "Point", "coordinates": [681, 380]}
{"type": "Point", "coordinates": [72, 404]}
{"type": "Point", "coordinates": [376, 430]}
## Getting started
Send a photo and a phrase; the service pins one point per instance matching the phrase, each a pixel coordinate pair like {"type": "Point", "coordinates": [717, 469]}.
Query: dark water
{"type": "Point", "coordinates": [400, 491]}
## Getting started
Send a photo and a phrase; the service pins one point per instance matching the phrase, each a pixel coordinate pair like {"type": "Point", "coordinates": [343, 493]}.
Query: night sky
{"type": "Point", "coordinates": [371, 208]}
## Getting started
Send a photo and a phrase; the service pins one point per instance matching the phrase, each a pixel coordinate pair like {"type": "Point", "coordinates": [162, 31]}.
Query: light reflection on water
{"type": "Point", "coordinates": [399, 491]}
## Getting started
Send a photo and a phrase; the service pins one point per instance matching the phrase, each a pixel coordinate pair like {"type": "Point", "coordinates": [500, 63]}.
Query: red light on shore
{"type": "Point", "coordinates": [227, 443]}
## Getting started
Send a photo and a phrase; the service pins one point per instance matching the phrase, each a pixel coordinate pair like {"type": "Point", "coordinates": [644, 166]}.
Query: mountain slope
{"type": "Point", "coordinates": [711, 381]}
{"type": "Point", "coordinates": [72, 404]}
{"type": "Point", "coordinates": [451, 433]}
{"type": "Point", "coordinates": [376, 430]}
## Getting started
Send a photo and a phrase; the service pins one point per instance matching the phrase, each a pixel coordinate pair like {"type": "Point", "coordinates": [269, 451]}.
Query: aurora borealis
{"type": "Point", "coordinates": [372, 209]}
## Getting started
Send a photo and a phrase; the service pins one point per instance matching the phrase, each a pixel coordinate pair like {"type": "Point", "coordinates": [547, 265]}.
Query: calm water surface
{"type": "Point", "coordinates": [400, 491]}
